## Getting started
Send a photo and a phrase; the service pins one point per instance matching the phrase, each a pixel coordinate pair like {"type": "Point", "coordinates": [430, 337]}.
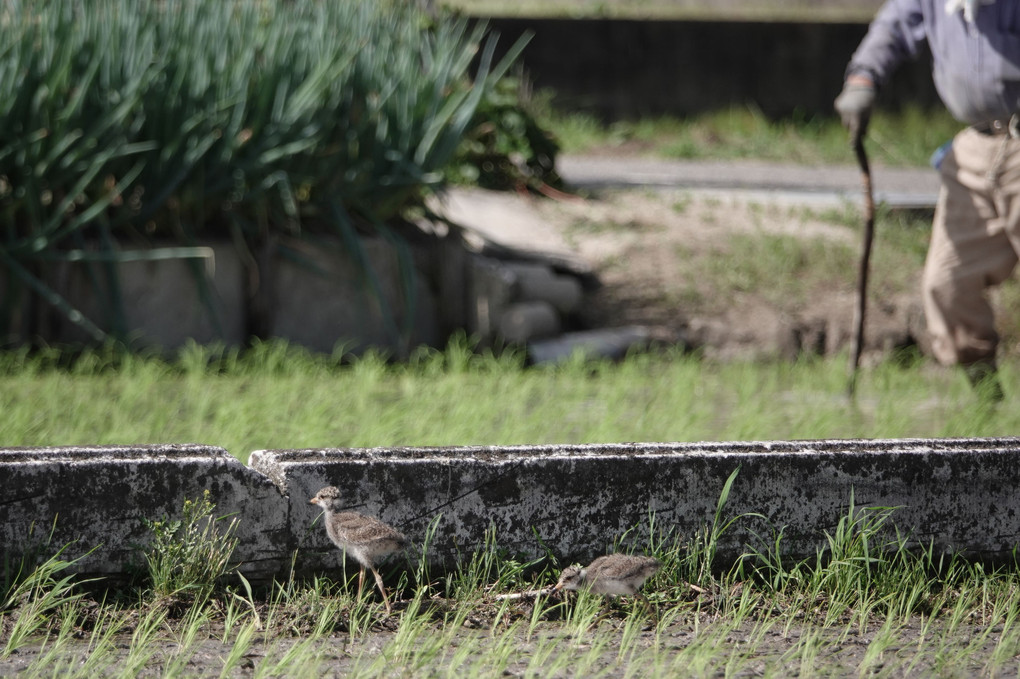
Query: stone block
{"type": "Point", "coordinates": [612, 343]}
{"type": "Point", "coordinates": [526, 321]}
{"type": "Point", "coordinates": [321, 299]}
{"type": "Point", "coordinates": [309, 292]}
{"type": "Point", "coordinates": [162, 300]}
{"type": "Point", "coordinates": [97, 497]}
{"type": "Point", "coordinates": [956, 495]}
{"type": "Point", "coordinates": [450, 271]}
{"type": "Point", "coordinates": [538, 283]}
{"type": "Point", "coordinates": [490, 292]}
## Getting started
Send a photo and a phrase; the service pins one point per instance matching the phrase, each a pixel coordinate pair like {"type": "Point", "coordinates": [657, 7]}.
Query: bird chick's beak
{"type": "Point", "coordinates": [314, 501]}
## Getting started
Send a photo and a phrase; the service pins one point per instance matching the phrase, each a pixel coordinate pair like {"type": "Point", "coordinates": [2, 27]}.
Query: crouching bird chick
{"type": "Point", "coordinates": [367, 539]}
{"type": "Point", "coordinates": [612, 575]}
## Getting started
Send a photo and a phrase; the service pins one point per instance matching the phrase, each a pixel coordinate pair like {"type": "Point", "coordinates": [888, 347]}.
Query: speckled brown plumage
{"type": "Point", "coordinates": [612, 574]}
{"type": "Point", "coordinates": [367, 539]}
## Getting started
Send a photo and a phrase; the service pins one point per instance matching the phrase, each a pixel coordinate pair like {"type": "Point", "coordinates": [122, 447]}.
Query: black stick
{"type": "Point", "coordinates": [857, 139]}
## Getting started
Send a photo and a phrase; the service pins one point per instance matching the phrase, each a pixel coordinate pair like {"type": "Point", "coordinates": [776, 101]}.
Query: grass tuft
{"type": "Point", "coordinates": [37, 599]}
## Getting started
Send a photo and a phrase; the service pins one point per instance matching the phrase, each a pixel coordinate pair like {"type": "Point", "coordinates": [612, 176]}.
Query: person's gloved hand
{"type": "Point", "coordinates": [855, 102]}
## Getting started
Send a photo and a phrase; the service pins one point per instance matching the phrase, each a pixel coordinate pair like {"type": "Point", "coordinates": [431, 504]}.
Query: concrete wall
{"type": "Point", "coordinates": [307, 291]}
{"type": "Point", "coordinates": [958, 494]}
{"type": "Point", "coordinates": [624, 69]}
{"type": "Point", "coordinates": [310, 293]}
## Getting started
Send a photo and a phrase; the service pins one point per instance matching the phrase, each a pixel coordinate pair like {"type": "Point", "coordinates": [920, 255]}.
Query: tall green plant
{"type": "Point", "coordinates": [182, 119]}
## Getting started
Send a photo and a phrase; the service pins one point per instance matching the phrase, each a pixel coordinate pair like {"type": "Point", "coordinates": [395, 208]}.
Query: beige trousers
{"type": "Point", "coordinates": [974, 244]}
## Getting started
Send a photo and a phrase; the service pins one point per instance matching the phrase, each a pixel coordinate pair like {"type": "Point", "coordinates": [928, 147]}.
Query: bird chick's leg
{"type": "Point", "coordinates": [382, 590]}
{"type": "Point", "coordinates": [606, 610]}
{"type": "Point", "coordinates": [361, 581]}
{"type": "Point", "coordinates": [653, 614]}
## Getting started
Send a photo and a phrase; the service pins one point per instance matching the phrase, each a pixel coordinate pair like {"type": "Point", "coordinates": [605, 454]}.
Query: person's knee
{"type": "Point", "coordinates": [938, 286]}
{"type": "Point", "coordinates": [962, 328]}
{"type": "Point", "coordinates": [938, 294]}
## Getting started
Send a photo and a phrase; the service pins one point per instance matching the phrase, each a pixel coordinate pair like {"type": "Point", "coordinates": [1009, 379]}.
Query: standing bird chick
{"type": "Point", "coordinates": [612, 574]}
{"type": "Point", "coordinates": [365, 538]}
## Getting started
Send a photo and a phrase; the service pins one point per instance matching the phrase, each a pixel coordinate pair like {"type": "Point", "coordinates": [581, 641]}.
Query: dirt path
{"type": "Point", "coordinates": [739, 260]}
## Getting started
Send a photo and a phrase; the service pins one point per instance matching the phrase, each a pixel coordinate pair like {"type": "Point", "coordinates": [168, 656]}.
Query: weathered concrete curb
{"type": "Point", "coordinates": [958, 494]}
{"type": "Point", "coordinates": [97, 496]}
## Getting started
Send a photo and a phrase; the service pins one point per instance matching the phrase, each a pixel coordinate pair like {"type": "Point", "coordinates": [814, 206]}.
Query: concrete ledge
{"type": "Point", "coordinates": [958, 494]}
{"type": "Point", "coordinates": [98, 496]}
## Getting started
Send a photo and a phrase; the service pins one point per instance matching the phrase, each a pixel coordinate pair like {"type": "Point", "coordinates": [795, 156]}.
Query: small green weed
{"type": "Point", "coordinates": [490, 567]}
{"type": "Point", "coordinates": [186, 558]}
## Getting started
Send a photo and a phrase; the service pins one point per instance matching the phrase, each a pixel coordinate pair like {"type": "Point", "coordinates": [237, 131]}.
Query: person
{"type": "Point", "coordinates": [975, 48]}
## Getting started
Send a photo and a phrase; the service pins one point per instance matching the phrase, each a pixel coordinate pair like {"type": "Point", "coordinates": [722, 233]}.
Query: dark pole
{"type": "Point", "coordinates": [857, 139]}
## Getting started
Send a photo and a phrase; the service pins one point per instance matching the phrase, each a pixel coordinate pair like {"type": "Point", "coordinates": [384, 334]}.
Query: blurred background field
{"type": "Point", "coordinates": [904, 138]}
{"type": "Point", "coordinates": [275, 396]}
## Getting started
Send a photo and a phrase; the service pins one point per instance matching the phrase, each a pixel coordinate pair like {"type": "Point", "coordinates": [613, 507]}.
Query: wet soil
{"type": "Point", "coordinates": [697, 641]}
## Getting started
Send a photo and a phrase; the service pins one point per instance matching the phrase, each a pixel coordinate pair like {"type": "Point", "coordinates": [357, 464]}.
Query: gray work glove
{"type": "Point", "coordinates": [854, 104]}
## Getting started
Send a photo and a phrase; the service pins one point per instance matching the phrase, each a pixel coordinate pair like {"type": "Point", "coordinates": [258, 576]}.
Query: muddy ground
{"type": "Point", "coordinates": [692, 643]}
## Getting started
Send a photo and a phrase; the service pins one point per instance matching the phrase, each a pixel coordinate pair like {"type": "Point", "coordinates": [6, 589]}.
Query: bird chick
{"type": "Point", "coordinates": [612, 575]}
{"type": "Point", "coordinates": [367, 539]}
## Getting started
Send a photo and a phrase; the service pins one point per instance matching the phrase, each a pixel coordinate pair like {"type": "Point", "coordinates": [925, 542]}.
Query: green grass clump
{"type": "Point", "coordinates": [225, 112]}
{"type": "Point", "coordinates": [35, 594]}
